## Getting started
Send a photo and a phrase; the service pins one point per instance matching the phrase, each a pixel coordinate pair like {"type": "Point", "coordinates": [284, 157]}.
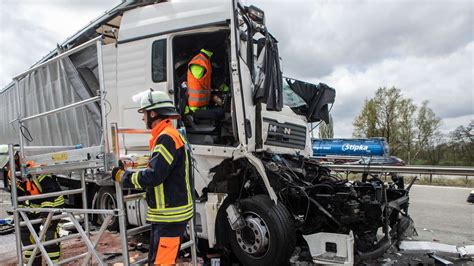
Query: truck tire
{"type": "Point", "coordinates": [269, 236]}
{"type": "Point", "coordinates": [107, 200]}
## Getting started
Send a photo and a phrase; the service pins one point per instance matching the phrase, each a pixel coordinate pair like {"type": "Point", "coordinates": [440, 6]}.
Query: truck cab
{"type": "Point", "coordinates": [154, 46]}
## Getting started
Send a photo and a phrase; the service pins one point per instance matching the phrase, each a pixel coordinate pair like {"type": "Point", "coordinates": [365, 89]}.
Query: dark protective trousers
{"type": "Point", "coordinates": [52, 233]}
{"type": "Point", "coordinates": [165, 240]}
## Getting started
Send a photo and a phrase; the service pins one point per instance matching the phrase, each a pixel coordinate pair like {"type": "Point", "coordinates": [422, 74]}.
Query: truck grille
{"type": "Point", "coordinates": [285, 134]}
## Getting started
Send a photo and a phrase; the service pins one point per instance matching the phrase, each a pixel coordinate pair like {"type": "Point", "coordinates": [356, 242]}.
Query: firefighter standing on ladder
{"type": "Point", "coordinates": [166, 179]}
{"type": "Point", "coordinates": [35, 185]}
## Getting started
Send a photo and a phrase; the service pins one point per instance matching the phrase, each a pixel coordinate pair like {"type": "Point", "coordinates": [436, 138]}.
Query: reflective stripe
{"type": "Point", "coordinates": [37, 185]}
{"type": "Point", "coordinates": [174, 218]}
{"type": "Point", "coordinates": [159, 197]}
{"type": "Point", "coordinates": [197, 91]}
{"type": "Point", "coordinates": [188, 186]}
{"type": "Point", "coordinates": [200, 100]}
{"type": "Point", "coordinates": [41, 177]}
{"type": "Point", "coordinates": [134, 180]}
{"type": "Point", "coordinates": [164, 152]}
{"type": "Point", "coordinates": [57, 202]}
{"type": "Point", "coordinates": [170, 211]}
{"type": "Point", "coordinates": [55, 254]}
{"type": "Point", "coordinates": [161, 189]}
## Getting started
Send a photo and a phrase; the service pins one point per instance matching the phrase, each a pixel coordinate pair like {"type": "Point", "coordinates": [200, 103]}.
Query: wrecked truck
{"type": "Point", "coordinates": [259, 195]}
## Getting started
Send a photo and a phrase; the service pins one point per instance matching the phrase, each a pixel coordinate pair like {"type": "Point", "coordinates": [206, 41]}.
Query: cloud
{"type": "Point", "coordinates": [447, 82]}
{"type": "Point", "coordinates": [317, 36]}
{"type": "Point", "coordinates": [425, 48]}
{"type": "Point", "coordinates": [31, 29]}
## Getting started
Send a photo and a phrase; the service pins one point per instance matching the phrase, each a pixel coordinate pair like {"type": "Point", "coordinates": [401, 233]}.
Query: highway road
{"type": "Point", "coordinates": [442, 214]}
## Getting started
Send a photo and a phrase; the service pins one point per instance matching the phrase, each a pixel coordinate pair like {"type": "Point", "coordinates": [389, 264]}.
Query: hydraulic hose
{"type": "Point", "coordinates": [377, 252]}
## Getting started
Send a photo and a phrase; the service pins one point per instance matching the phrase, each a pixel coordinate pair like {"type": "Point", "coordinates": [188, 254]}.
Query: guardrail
{"type": "Point", "coordinates": [421, 169]}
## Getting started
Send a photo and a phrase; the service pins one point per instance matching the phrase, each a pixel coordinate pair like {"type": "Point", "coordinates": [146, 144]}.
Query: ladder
{"type": "Point", "coordinates": [121, 199]}
{"type": "Point", "coordinates": [71, 160]}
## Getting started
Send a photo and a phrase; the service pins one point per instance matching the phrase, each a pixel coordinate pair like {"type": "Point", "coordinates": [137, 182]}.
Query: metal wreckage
{"type": "Point", "coordinates": [317, 200]}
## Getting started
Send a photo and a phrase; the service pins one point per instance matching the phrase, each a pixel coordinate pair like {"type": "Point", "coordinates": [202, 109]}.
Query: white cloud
{"type": "Point", "coordinates": [31, 29]}
{"type": "Point", "coordinates": [317, 36]}
{"type": "Point", "coordinates": [445, 81]}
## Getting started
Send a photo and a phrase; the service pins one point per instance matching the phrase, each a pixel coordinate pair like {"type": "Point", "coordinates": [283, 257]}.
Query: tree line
{"type": "Point", "coordinates": [412, 131]}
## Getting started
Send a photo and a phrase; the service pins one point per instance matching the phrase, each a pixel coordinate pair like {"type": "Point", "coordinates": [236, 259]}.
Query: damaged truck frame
{"type": "Point", "coordinates": [258, 195]}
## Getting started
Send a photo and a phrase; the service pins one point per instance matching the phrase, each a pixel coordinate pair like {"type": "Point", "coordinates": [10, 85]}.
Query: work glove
{"type": "Point", "coordinates": [117, 172]}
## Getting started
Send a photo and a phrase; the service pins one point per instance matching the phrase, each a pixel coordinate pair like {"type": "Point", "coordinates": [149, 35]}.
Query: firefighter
{"type": "Point", "coordinates": [35, 185]}
{"type": "Point", "coordinates": [166, 179]}
{"type": "Point", "coordinates": [199, 81]}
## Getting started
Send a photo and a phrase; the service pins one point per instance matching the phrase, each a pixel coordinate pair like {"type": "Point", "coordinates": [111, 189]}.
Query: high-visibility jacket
{"type": "Point", "coordinates": [41, 185]}
{"type": "Point", "coordinates": [199, 89]}
{"type": "Point", "coordinates": [166, 179]}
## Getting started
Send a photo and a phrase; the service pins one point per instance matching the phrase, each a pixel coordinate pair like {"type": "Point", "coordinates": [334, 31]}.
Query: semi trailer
{"type": "Point", "coordinates": [259, 195]}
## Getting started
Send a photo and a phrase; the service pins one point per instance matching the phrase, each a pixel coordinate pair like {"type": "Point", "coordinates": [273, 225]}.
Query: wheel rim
{"type": "Point", "coordinates": [254, 238]}
{"type": "Point", "coordinates": [107, 202]}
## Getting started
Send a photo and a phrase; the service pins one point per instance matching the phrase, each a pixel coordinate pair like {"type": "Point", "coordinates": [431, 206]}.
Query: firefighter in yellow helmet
{"type": "Point", "coordinates": [166, 179]}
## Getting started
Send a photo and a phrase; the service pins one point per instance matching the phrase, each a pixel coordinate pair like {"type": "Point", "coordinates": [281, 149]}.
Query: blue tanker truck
{"type": "Point", "coordinates": [350, 147]}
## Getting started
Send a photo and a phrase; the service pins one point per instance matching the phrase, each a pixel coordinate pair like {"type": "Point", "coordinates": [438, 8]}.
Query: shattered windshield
{"type": "Point", "coordinates": [290, 98]}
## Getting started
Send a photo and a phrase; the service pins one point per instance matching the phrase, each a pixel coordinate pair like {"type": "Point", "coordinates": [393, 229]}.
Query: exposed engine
{"type": "Point", "coordinates": [323, 202]}
{"type": "Point", "coordinates": [318, 201]}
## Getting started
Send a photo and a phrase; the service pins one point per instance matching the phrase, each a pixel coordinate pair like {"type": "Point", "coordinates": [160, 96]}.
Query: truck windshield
{"type": "Point", "coordinates": [290, 98]}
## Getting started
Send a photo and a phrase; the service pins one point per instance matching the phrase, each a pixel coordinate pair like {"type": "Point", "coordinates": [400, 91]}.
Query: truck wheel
{"type": "Point", "coordinates": [106, 200]}
{"type": "Point", "coordinates": [268, 237]}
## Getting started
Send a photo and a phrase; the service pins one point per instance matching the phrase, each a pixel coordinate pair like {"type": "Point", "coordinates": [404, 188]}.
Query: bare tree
{"type": "Point", "coordinates": [326, 131]}
{"type": "Point", "coordinates": [407, 128]}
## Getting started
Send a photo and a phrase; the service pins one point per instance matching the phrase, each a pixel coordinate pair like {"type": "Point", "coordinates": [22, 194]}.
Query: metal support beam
{"type": "Point", "coordinates": [112, 212]}
{"type": "Point", "coordinates": [86, 240]}
{"type": "Point", "coordinates": [120, 198]}
{"type": "Point", "coordinates": [60, 109]}
{"type": "Point", "coordinates": [39, 220]}
{"type": "Point", "coordinates": [60, 56]}
{"type": "Point", "coordinates": [122, 224]}
{"type": "Point", "coordinates": [14, 195]}
{"type": "Point", "coordinates": [52, 194]}
{"type": "Point", "coordinates": [134, 196]}
{"type": "Point", "coordinates": [71, 259]}
{"type": "Point", "coordinates": [422, 169]}
{"type": "Point", "coordinates": [138, 230]}
{"type": "Point", "coordinates": [53, 241]}
{"type": "Point", "coordinates": [103, 93]}
{"type": "Point", "coordinates": [97, 239]}
{"type": "Point", "coordinates": [193, 241]}
{"type": "Point", "coordinates": [84, 203]}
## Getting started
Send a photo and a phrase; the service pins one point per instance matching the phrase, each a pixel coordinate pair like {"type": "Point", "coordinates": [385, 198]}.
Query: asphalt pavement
{"type": "Point", "coordinates": [442, 214]}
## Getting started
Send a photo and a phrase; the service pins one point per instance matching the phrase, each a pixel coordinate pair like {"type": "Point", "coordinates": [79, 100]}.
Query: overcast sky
{"type": "Point", "coordinates": [425, 48]}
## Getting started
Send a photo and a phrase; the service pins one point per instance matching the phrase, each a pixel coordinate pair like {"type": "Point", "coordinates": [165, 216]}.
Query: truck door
{"type": "Point", "coordinates": [141, 65]}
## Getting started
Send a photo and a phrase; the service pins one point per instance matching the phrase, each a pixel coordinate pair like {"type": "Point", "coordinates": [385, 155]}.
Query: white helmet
{"type": "Point", "coordinates": [159, 102]}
